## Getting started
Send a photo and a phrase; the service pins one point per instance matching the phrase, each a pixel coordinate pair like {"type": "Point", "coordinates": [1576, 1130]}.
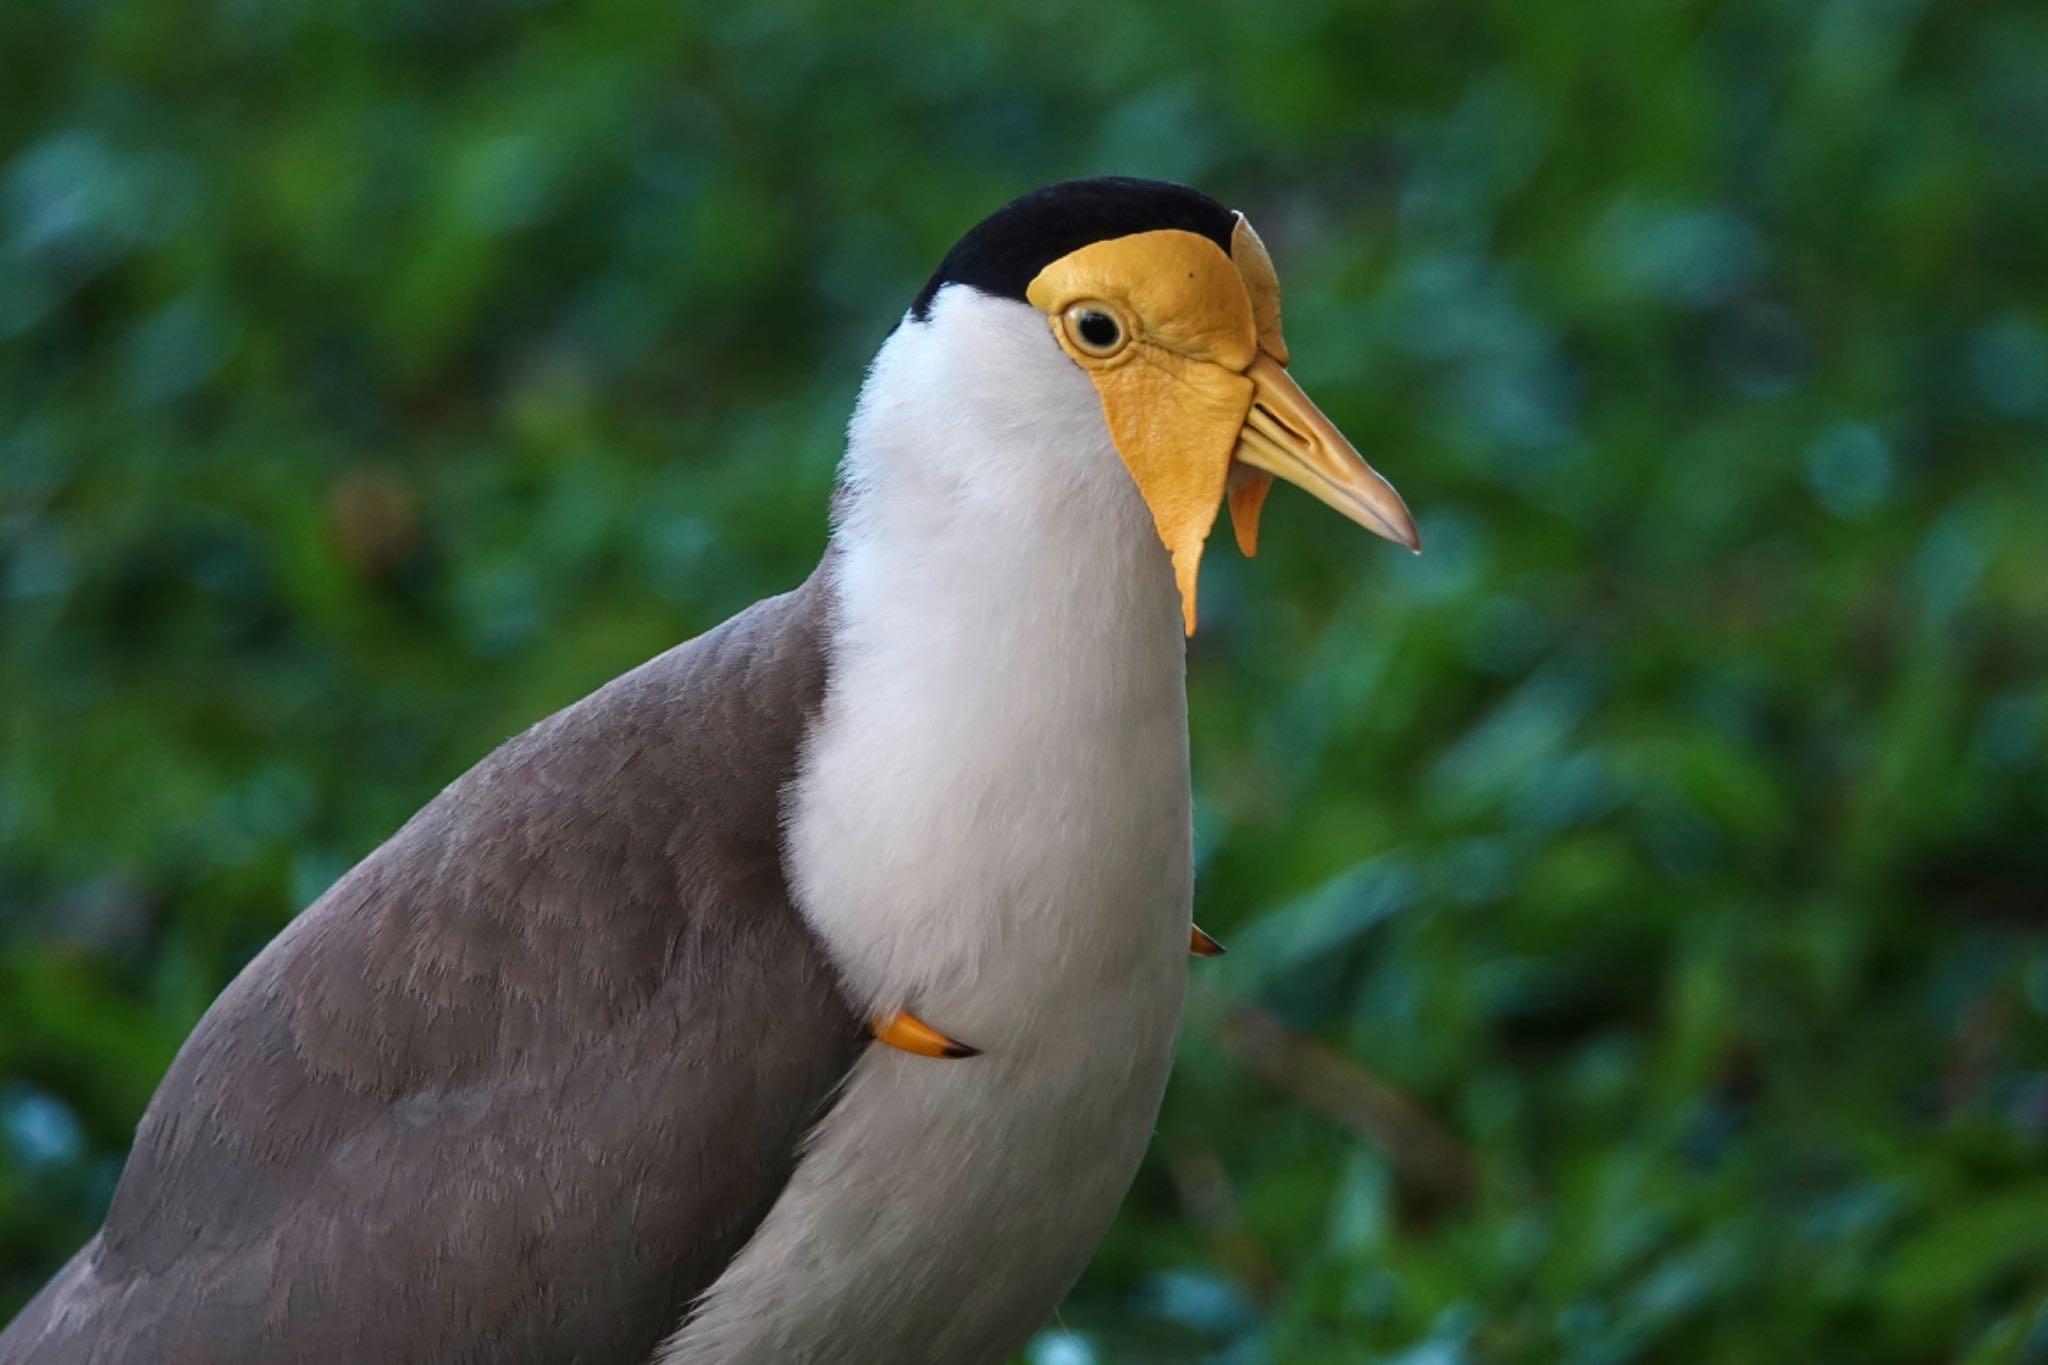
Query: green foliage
{"type": "Point", "coordinates": [376, 377]}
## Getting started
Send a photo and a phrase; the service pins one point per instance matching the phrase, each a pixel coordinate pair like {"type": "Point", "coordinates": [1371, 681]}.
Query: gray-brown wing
{"type": "Point", "coordinates": [522, 1083]}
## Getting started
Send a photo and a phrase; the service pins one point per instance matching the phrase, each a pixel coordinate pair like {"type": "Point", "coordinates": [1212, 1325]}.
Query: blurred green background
{"type": "Point", "coordinates": [1637, 902]}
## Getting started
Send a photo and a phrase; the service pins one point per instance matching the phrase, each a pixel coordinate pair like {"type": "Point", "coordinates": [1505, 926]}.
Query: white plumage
{"type": "Point", "coordinates": [991, 827]}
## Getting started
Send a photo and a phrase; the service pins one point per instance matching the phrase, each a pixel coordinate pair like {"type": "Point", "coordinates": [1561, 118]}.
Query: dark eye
{"type": "Point", "coordinates": [1100, 330]}
{"type": "Point", "coordinates": [1095, 330]}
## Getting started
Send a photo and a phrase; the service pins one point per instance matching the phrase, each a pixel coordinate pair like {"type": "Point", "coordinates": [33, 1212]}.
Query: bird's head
{"type": "Point", "coordinates": [1168, 303]}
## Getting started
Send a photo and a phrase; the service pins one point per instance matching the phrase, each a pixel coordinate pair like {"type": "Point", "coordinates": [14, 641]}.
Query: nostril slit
{"type": "Point", "coordinates": [1280, 422]}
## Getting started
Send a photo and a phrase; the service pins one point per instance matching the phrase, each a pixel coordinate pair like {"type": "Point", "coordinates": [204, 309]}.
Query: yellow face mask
{"type": "Point", "coordinates": [1183, 343]}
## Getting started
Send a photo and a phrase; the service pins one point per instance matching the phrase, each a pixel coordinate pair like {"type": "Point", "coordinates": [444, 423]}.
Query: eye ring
{"type": "Point", "coordinates": [1095, 329]}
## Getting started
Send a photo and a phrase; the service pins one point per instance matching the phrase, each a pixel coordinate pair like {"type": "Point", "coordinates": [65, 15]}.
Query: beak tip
{"type": "Point", "coordinates": [1405, 531]}
{"type": "Point", "coordinates": [1402, 532]}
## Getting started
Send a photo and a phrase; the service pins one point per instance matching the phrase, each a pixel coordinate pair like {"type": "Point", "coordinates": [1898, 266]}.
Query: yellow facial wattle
{"type": "Point", "coordinates": [1183, 344]}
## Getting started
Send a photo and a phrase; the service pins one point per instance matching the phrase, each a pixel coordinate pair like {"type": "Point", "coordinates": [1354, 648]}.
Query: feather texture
{"type": "Point", "coordinates": [516, 1088]}
{"type": "Point", "coordinates": [991, 827]}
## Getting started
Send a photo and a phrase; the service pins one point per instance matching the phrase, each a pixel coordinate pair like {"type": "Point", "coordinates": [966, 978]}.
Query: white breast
{"type": "Point", "coordinates": [992, 828]}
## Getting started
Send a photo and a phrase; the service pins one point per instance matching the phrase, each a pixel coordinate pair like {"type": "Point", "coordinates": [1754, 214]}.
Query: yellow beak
{"type": "Point", "coordinates": [1286, 434]}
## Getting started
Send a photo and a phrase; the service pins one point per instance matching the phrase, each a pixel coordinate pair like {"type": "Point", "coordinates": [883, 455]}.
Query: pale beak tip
{"type": "Point", "coordinates": [1401, 530]}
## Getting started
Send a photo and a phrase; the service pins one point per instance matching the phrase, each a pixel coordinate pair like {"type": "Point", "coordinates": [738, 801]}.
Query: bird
{"type": "Point", "coordinates": [807, 993]}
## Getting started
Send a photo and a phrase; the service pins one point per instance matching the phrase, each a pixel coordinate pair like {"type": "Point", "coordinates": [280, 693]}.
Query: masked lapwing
{"type": "Point", "coordinates": [807, 993]}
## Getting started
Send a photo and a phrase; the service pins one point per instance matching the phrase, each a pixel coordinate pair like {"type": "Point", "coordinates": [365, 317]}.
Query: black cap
{"type": "Point", "coordinates": [1004, 252]}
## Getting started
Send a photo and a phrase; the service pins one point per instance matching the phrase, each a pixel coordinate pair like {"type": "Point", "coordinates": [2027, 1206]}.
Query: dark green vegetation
{"type": "Point", "coordinates": [376, 377]}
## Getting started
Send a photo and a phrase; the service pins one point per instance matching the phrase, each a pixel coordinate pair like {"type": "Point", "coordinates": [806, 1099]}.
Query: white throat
{"type": "Point", "coordinates": [991, 827]}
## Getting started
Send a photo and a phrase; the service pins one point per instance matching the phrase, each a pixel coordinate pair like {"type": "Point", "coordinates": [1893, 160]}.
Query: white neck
{"type": "Point", "coordinates": [990, 827]}
{"type": "Point", "coordinates": [1006, 628]}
